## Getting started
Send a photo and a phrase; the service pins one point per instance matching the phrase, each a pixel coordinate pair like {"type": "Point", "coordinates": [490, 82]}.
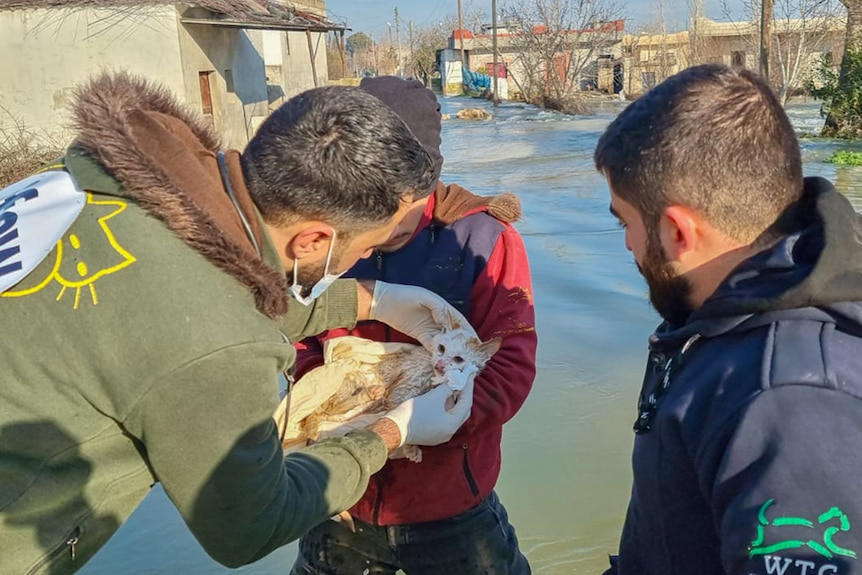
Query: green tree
{"type": "Point", "coordinates": [846, 87]}
{"type": "Point", "coordinates": [358, 42]}
{"type": "Point", "coordinates": [841, 94]}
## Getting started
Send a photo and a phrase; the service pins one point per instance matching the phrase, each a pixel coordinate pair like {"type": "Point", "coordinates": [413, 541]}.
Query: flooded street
{"type": "Point", "coordinates": [566, 473]}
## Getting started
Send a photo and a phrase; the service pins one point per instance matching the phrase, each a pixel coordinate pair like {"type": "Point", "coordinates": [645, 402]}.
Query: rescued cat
{"type": "Point", "coordinates": [365, 396]}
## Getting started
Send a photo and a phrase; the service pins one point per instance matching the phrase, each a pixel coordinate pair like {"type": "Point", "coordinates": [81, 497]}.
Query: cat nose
{"type": "Point", "coordinates": [440, 366]}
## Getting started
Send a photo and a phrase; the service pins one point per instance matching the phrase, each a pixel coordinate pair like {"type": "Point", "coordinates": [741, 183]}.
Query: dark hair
{"type": "Point", "coordinates": [336, 154]}
{"type": "Point", "coordinates": [711, 138]}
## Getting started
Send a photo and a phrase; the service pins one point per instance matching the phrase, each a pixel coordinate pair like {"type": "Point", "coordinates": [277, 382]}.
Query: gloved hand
{"type": "Point", "coordinates": [412, 310]}
{"type": "Point", "coordinates": [457, 380]}
{"type": "Point", "coordinates": [425, 419]}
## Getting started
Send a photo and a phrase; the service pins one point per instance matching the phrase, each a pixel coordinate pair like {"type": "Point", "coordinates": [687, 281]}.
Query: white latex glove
{"type": "Point", "coordinates": [419, 313]}
{"type": "Point", "coordinates": [456, 380]}
{"type": "Point", "coordinates": [424, 420]}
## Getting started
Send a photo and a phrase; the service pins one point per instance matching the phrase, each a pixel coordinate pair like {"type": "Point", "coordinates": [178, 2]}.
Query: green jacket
{"type": "Point", "coordinates": [129, 358]}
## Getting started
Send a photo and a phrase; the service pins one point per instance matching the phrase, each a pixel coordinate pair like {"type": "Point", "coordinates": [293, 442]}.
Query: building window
{"type": "Point", "coordinates": [648, 80]}
{"type": "Point", "coordinates": [737, 59]}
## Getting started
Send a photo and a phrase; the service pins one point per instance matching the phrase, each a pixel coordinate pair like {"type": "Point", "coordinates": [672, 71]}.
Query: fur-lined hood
{"type": "Point", "coordinates": [164, 157]}
{"type": "Point", "coordinates": [452, 202]}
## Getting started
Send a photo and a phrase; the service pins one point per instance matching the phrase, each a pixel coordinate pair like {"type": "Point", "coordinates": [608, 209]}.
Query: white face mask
{"type": "Point", "coordinates": [318, 288]}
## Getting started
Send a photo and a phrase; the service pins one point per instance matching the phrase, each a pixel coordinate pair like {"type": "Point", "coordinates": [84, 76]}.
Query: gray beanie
{"type": "Point", "coordinates": [417, 106]}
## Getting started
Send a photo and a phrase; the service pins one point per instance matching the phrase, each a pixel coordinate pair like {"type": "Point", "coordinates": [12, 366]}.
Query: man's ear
{"type": "Point", "coordinates": [309, 240]}
{"type": "Point", "coordinates": [679, 230]}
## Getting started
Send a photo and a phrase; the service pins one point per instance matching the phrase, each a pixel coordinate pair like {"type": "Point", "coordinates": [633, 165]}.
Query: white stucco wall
{"type": "Point", "coordinates": [45, 53]}
{"type": "Point", "coordinates": [288, 64]}
{"type": "Point", "coordinates": [450, 68]}
{"type": "Point", "coordinates": [207, 48]}
{"type": "Point", "coordinates": [296, 70]}
{"type": "Point", "coordinates": [272, 48]}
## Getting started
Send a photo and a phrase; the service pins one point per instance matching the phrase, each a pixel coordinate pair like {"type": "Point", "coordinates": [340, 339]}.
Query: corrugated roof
{"type": "Point", "coordinates": [266, 14]}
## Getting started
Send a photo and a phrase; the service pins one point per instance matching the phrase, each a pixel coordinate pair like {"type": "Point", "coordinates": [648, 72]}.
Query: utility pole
{"type": "Point", "coordinates": [398, 34]}
{"type": "Point", "coordinates": [376, 61]}
{"type": "Point", "coordinates": [494, 46]}
{"type": "Point", "coordinates": [412, 60]}
{"type": "Point", "coordinates": [341, 51]}
{"type": "Point", "coordinates": [765, 37]}
{"type": "Point", "coordinates": [461, 34]}
{"type": "Point", "coordinates": [391, 44]}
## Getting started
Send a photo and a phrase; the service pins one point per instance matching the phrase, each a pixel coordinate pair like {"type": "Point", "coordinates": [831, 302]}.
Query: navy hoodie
{"type": "Point", "coordinates": [749, 459]}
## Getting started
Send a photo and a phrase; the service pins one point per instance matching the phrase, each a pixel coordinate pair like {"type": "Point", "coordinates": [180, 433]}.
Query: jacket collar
{"type": "Point", "coordinates": [164, 158]}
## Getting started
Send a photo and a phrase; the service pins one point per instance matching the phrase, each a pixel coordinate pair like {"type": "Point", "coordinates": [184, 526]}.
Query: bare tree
{"type": "Point", "coordinates": [427, 41]}
{"type": "Point", "coordinates": [558, 41]}
{"type": "Point", "coordinates": [798, 42]}
{"type": "Point", "coordinates": [800, 34]}
{"type": "Point", "coordinates": [661, 59]}
{"type": "Point", "coordinates": [695, 50]}
{"type": "Point", "coordinates": [24, 150]}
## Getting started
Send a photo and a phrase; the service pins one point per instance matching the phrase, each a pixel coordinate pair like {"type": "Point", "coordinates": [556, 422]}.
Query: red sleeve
{"type": "Point", "coordinates": [502, 306]}
{"type": "Point", "coordinates": [309, 351]}
{"type": "Point", "coordinates": [309, 354]}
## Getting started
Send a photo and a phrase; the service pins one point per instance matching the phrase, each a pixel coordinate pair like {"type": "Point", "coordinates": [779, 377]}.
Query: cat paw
{"type": "Point", "coordinates": [413, 453]}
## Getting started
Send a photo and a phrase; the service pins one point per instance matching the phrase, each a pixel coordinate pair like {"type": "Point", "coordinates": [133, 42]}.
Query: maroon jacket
{"type": "Point", "coordinates": [478, 263]}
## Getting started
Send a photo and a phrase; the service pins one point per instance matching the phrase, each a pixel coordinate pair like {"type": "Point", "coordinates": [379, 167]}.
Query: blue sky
{"type": "Point", "coordinates": [371, 16]}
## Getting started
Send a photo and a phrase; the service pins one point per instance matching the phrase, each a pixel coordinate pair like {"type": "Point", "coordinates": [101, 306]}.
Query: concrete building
{"type": "Point", "coordinates": [233, 60]}
{"type": "Point", "coordinates": [602, 42]}
{"type": "Point", "coordinates": [650, 58]}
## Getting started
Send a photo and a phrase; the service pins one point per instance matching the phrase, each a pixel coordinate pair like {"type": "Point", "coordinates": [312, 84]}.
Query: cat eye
{"type": "Point", "coordinates": [441, 348]}
{"type": "Point", "coordinates": [458, 359]}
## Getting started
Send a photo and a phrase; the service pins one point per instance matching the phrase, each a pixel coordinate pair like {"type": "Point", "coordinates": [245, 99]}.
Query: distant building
{"type": "Point", "coordinates": [232, 60]}
{"type": "Point", "coordinates": [650, 58]}
{"type": "Point", "coordinates": [603, 42]}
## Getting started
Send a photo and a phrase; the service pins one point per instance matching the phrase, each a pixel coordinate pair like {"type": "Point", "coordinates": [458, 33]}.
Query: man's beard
{"type": "Point", "coordinates": [668, 292]}
{"type": "Point", "coordinates": [309, 274]}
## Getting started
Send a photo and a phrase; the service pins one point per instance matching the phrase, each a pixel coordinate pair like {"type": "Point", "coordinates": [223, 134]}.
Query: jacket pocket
{"type": "Point", "coordinates": [465, 464]}
{"type": "Point", "coordinates": [68, 546]}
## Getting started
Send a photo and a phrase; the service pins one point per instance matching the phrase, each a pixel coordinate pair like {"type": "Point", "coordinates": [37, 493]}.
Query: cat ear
{"type": "Point", "coordinates": [490, 347]}
{"type": "Point", "coordinates": [451, 322]}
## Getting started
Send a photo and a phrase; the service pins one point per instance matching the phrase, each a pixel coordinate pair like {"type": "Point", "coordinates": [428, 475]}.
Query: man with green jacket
{"type": "Point", "coordinates": [146, 317]}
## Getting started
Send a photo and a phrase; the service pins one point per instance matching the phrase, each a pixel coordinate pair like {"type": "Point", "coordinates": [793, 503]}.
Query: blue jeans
{"type": "Point", "coordinates": [477, 542]}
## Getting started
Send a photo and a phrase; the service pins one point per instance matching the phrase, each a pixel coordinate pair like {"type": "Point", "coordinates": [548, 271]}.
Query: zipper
{"type": "Point", "coordinates": [474, 489]}
{"type": "Point", "coordinates": [70, 542]}
{"type": "Point", "coordinates": [647, 406]}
